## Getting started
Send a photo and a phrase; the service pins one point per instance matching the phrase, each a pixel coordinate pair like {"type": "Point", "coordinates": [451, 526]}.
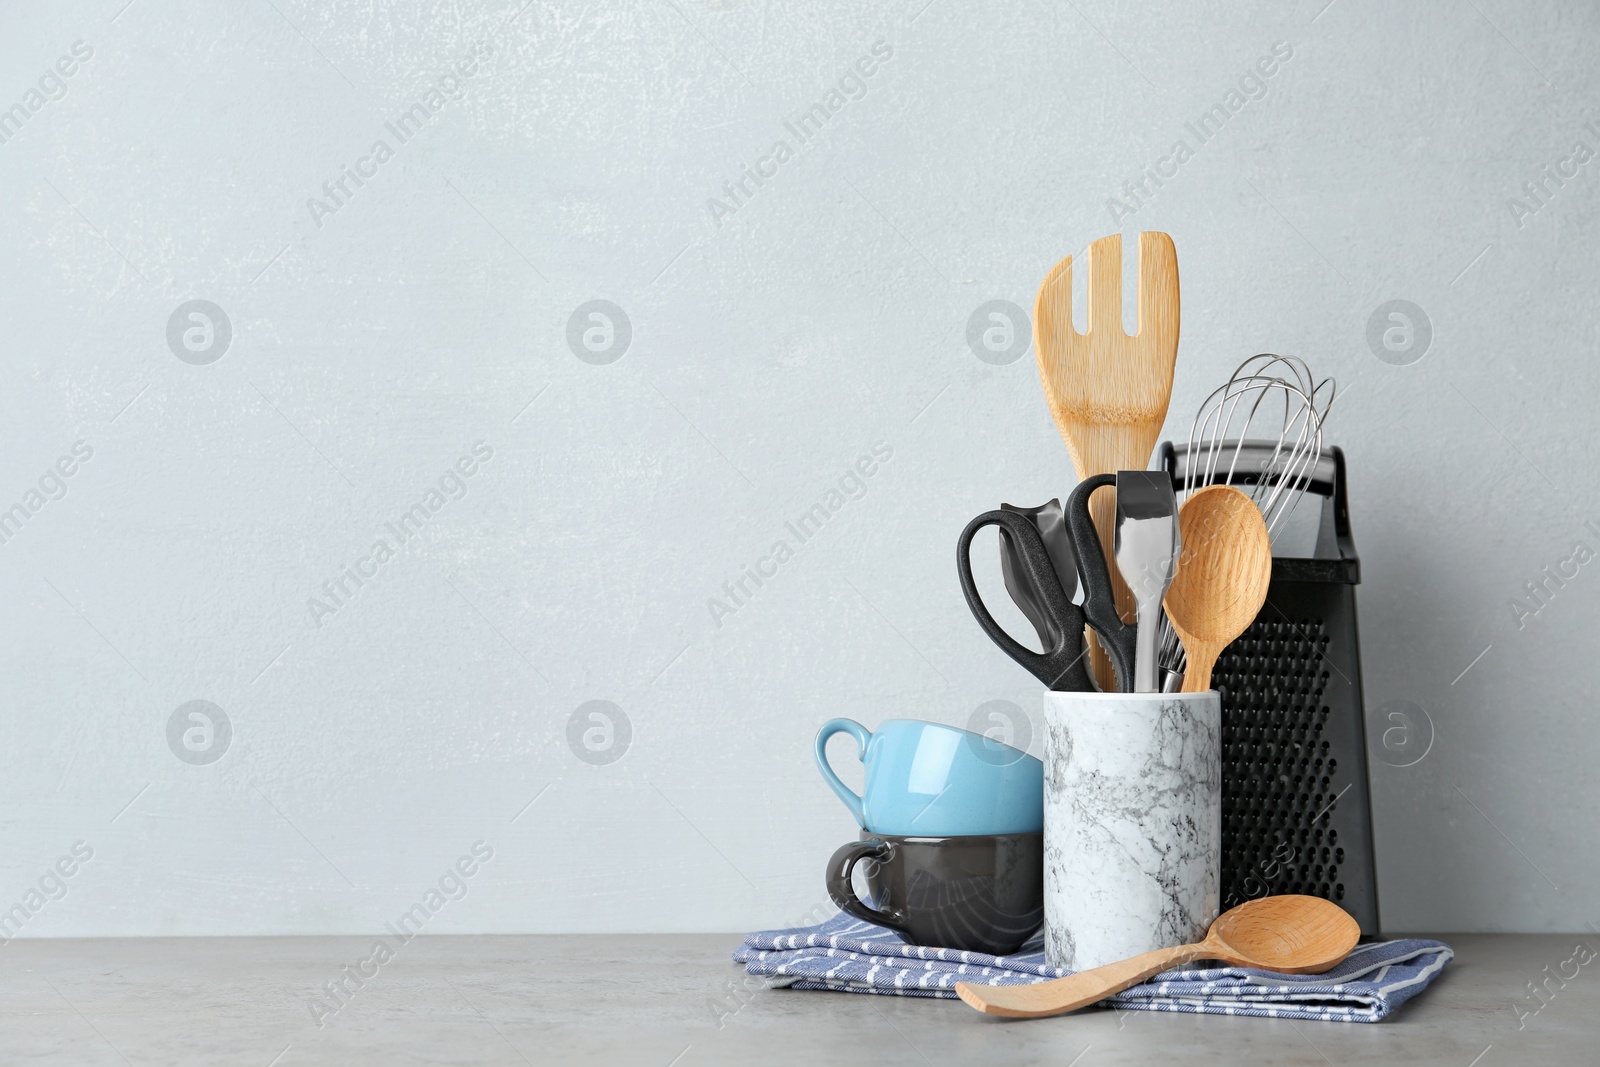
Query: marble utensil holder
{"type": "Point", "coordinates": [1132, 823]}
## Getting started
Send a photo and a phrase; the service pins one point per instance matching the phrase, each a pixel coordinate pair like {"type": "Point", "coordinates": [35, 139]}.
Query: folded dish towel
{"type": "Point", "coordinates": [851, 956]}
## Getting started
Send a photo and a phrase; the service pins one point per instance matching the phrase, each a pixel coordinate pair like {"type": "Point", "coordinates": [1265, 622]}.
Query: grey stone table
{"type": "Point", "coordinates": [675, 1000]}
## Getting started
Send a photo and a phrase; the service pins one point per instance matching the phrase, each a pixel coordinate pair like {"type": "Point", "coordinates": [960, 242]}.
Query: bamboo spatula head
{"type": "Point", "coordinates": [1108, 392]}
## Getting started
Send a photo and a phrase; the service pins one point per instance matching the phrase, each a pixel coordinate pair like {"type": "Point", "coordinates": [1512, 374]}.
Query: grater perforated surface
{"type": "Point", "coordinates": [1280, 774]}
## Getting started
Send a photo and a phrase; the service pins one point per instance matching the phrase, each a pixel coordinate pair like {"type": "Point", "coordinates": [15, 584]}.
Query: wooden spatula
{"type": "Point", "coordinates": [1108, 392]}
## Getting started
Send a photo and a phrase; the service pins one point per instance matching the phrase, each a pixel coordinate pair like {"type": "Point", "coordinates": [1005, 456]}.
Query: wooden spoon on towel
{"type": "Point", "coordinates": [1287, 934]}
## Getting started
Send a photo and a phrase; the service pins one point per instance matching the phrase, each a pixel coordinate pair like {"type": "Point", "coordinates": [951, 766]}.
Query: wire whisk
{"type": "Point", "coordinates": [1219, 440]}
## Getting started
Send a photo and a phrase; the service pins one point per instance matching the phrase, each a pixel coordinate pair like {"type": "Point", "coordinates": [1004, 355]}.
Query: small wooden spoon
{"type": "Point", "coordinates": [1287, 934]}
{"type": "Point", "coordinates": [1222, 577]}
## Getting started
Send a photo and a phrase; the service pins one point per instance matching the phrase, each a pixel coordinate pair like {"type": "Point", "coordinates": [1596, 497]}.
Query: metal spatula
{"type": "Point", "coordinates": [1148, 545]}
{"type": "Point", "coordinates": [1108, 392]}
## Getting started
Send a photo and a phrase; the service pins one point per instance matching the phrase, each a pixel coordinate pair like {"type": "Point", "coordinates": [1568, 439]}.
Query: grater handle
{"type": "Point", "coordinates": [1328, 480]}
{"type": "Point", "coordinates": [1253, 457]}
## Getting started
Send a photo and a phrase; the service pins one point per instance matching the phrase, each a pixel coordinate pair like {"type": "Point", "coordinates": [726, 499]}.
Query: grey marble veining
{"type": "Point", "coordinates": [1133, 823]}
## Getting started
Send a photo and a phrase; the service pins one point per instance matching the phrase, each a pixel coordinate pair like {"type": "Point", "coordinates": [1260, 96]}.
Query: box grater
{"type": "Point", "coordinates": [1296, 812]}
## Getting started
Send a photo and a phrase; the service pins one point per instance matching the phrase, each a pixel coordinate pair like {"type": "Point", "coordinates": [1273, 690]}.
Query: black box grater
{"type": "Point", "coordinates": [1296, 811]}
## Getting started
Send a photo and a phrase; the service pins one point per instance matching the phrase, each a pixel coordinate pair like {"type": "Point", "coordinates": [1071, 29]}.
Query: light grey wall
{"type": "Point", "coordinates": [377, 339]}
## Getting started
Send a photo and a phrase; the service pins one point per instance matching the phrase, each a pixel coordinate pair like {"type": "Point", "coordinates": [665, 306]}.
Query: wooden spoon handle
{"type": "Point", "coordinates": [1197, 675]}
{"type": "Point", "coordinates": [1075, 991]}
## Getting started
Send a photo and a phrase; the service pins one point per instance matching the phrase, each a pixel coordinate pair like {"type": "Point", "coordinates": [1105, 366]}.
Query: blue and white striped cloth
{"type": "Point", "coordinates": [850, 956]}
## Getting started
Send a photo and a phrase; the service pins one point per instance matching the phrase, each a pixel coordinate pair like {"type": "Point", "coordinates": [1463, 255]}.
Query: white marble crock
{"type": "Point", "coordinates": [1132, 823]}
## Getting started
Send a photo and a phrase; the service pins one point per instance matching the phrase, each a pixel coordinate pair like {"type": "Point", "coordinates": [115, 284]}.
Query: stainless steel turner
{"type": "Point", "coordinates": [1147, 549]}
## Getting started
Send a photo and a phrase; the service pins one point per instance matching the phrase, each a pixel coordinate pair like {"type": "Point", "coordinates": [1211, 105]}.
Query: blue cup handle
{"type": "Point", "coordinates": [862, 736]}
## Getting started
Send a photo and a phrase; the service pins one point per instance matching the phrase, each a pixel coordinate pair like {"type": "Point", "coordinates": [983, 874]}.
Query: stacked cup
{"type": "Point", "coordinates": [952, 841]}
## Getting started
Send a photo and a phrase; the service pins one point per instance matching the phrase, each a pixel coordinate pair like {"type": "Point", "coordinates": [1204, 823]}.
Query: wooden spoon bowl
{"type": "Point", "coordinates": [1286, 934]}
{"type": "Point", "coordinates": [1222, 577]}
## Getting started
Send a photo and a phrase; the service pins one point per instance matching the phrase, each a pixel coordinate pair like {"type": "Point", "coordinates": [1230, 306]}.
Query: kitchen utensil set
{"type": "Point", "coordinates": [968, 844]}
{"type": "Point", "coordinates": [1296, 809]}
{"type": "Point", "coordinates": [1108, 393]}
{"type": "Point", "coordinates": [1150, 539]}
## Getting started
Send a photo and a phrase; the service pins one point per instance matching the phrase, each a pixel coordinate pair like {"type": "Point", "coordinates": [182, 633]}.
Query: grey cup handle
{"type": "Point", "coordinates": [840, 867]}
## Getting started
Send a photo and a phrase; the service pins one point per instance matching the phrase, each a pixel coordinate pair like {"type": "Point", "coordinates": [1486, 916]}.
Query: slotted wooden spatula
{"type": "Point", "coordinates": [1108, 392]}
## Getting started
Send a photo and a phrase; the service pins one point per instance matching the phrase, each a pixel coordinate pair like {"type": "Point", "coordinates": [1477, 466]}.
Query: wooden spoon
{"type": "Point", "coordinates": [1108, 392]}
{"type": "Point", "coordinates": [1287, 934]}
{"type": "Point", "coordinates": [1222, 577]}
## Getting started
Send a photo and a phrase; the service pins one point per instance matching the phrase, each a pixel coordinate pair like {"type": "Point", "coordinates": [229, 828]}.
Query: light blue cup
{"type": "Point", "coordinates": [925, 779]}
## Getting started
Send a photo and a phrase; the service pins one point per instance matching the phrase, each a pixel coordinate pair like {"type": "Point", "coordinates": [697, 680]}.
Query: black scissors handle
{"type": "Point", "coordinates": [1099, 602]}
{"type": "Point", "coordinates": [1061, 665]}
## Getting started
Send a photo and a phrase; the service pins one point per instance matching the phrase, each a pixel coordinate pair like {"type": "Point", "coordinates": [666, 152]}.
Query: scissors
{"type": "Point", "coordinates": [1059, 622]}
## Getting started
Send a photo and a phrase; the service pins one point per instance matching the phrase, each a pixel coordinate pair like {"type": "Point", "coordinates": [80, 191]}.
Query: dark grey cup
{"type": "Point", "coordinates": [982, 893]}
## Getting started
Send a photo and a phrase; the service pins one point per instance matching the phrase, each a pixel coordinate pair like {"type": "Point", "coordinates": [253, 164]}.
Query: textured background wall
{"type": "Point", "coordinates": [375, 337]}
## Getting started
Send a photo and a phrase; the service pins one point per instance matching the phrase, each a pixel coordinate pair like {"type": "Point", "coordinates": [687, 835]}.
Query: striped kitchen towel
{"type": "Point", "coordinates": [850, 956]}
